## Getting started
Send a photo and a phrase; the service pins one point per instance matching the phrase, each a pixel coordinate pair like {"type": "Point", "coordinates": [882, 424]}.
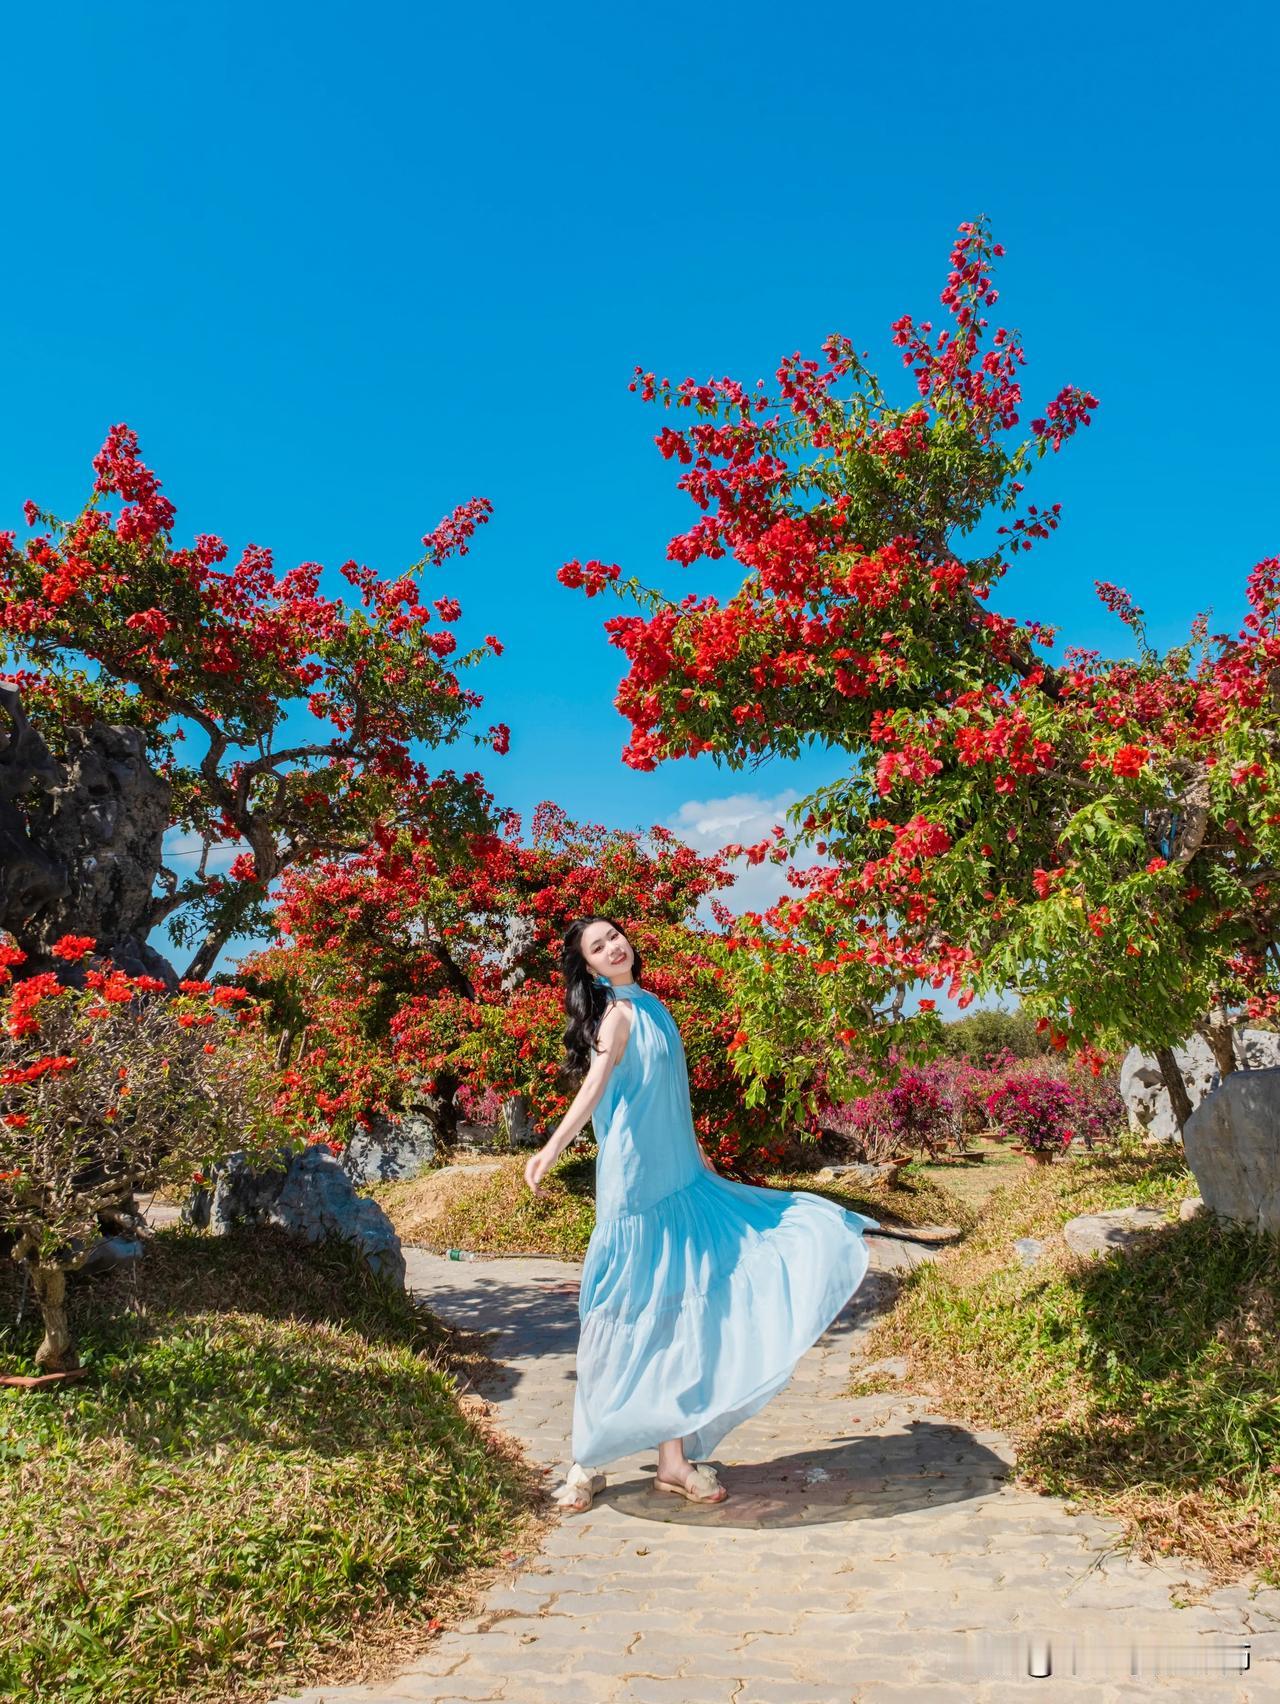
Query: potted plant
{"type": "Point", "coordinates": [1039, 1113]}
{"type": "Point", "coordinates": [919, 1111]}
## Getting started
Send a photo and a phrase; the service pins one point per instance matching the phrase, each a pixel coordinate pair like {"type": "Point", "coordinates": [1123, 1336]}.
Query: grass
{"type": "Point", "coordinates": [494, 1211]}
{"type": "Point", "coordinates": [267, 1478]}
{"type": "Point", "coordinates": [973, 1183]}
{"type": "Point", "coordinates": [1145, 1385]}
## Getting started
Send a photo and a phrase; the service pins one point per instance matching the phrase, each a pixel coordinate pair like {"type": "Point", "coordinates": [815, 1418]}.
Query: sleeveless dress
{"type": "Point", "coordinates": [699, 1293]}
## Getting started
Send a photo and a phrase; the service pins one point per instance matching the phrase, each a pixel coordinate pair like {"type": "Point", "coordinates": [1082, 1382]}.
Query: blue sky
{"type": "Point", "coordinates": [342, 268]}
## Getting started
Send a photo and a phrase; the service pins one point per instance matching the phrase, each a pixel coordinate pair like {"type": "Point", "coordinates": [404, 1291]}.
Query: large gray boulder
{"type": "Point", "coordinates": [311, 1197]}
{"type": "Point", "coordinates": [81, 838]}
{"type": "Point", "coordinates": [318, 1200]}
{"type": "Point", "coordinates": [1232, 1142]}
{"type": "Point", "coordinates": [243, 1194]}
{"type": "Point", "coordinates": [391, 1149]}
{"type": "Point", "coordinates": [1142, 1087]}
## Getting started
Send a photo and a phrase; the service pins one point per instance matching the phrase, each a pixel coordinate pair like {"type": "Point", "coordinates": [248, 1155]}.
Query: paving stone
{"type": "Point", "coordinates": [649, 1689]}
{"type": "Point", "coordinates": [756, 1691]}
{"type": "Point", "coordinates": [781, 1617]}
{"type": "Point", "coordinates": [476, 1688]}
{"type": "Point", "coordinates": [904, 1692]}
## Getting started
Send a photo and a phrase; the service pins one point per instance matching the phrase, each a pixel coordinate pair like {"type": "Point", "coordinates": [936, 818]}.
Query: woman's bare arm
{"type": "Point", "coordinates": [611, 1043]}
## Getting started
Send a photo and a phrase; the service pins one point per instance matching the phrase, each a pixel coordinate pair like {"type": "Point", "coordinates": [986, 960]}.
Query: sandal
{"type": "Point", "coordinates": [702, 1485]}
{"type": "Point", "coordinates": [577, 1493]}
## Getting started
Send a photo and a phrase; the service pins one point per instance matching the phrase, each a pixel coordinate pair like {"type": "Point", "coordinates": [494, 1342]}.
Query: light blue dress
{"type": "Point", "coordinates": [699, 1294]}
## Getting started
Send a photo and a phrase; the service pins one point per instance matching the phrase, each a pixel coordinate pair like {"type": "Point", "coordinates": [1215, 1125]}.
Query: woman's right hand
{"type": "Point", "coordinates": [537, 1167]}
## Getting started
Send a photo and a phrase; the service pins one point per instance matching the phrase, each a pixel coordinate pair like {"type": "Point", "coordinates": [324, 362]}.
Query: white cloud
{"type": "Point", "coordinates": [739, 818]}
{"type": "Point", "coordinates": [222, 854]}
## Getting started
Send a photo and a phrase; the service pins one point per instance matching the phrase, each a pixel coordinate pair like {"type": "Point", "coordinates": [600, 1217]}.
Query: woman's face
{"type": "Point", "coordinates": [607, 952]}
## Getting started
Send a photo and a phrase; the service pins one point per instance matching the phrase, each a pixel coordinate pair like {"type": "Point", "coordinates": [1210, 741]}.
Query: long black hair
{"type": "Point", "coordinates": [585, 1000]}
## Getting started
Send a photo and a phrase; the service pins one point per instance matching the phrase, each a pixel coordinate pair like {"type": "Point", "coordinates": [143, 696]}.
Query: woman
{"type": "Point", "coordinates": [699, 1293]}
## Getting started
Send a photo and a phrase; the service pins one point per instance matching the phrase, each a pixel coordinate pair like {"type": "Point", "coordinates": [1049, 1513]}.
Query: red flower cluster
{"type": "Point", "coordinates": [455, 531]}
{"type": "Point", "coordinates": [121, 473]}
{"type": "Point", "coordinates": [184, 635]}
{"type": "Point", "coordinates": [592, 576]}
{"type": "Point", "coordinates": [72, 947]}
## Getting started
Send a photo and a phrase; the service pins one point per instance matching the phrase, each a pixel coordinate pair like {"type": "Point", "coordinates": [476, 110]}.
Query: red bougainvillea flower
{"type": "Point", "coordinates": [186, 635]}
{"type": "Point", "coordinates": [9, 956]}
{"type": "Point", "coordinates": [1130, 760]}
{"type": "Point", "coordinates": [72, 947]}
{"type": "Point", "coordinates": [15, 1074]}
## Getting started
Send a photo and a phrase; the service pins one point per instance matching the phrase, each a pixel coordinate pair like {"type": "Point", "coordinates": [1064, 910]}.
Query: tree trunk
{"type": "Point", "coordinates": [1179, 1099]}
{"type": "Point", "coordinates": [1218, 1033]}
{"type": "Point", "coordinates": [442, 1108]}
{"type": "Point", "coordinates": [56, 1354]}
{"type": "Point", "coordinates": [206, 955]}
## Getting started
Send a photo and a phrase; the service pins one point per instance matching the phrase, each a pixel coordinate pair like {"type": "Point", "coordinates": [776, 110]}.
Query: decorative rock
{"type": "Point", "coordinates": [310, 1195]}
{"type": "Point", "coordinates": [888, 1255]}
{"type": "Point", "coordinates": [243, 1194]}
{"type": "Point", "coordinates": [476, 1136]}
{"type": "Point", "coordinates": [1192, 1208]}
{"type": "Point", "coordinates": [394, 1148]}
{"type": "Point", "coordinates": [1029, 1250]}
{"type": "Point", "coordinates": [865, 1173]}
{"type": "Point", "coordinates": [1142, 1087]}
{"type": "Point", "coordinates": [935, 1234]}
{"type": "Point", "coordinates": [1099, 1233]}
{"type": "Point", "coordinates": [1232, 1142]}
{"type": "Point", "coordinates": [196, 1209]}
{"type": "Point", "coordinates": [318, 1200]}
{"type": "Point", "coordinates": [111, 1252]}
{"type": "Point", "coordinates": [519, 1124]}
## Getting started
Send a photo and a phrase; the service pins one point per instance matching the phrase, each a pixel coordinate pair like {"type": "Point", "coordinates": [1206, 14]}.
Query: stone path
{"type": "Point", "coordinates": [870, 1551]}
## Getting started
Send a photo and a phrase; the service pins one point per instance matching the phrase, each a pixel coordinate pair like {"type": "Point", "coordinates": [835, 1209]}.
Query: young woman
{"type": "Point", "coordinates": [699, 1294]}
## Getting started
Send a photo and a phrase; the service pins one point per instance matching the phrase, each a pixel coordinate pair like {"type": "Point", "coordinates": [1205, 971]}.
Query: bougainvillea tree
{"type": "Point", "coordinates": [1098, 835]}
{"type": "Point", "coordinates": [110, 1087]}
{"type": "Point", "coordinates": [300, 714]}
{"type": "Point", "coordinates": [418, 978]}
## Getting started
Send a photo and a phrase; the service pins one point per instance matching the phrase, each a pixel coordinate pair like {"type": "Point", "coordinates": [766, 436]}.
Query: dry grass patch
{"type": "Point", "coordinates": [489, 1208]}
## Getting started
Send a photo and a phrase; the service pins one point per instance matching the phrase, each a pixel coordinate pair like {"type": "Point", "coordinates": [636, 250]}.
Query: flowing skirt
{"type": "Point", "coordinates": [695, 1312]}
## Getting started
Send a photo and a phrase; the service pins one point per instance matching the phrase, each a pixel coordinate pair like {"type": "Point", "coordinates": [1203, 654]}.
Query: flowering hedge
{"type": "Point", "coordinates": [1041, 1113]}
{"type": "Point", "coordinates": [918, 1114]}
{"type": "Point", "coordinates": [932, 1109]}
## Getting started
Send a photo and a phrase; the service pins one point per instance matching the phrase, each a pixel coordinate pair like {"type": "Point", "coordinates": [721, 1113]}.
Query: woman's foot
{"type": "Point", "coordinates": [696, 1482]}
{"type": "Point", "coordinates": [577, 1493]}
